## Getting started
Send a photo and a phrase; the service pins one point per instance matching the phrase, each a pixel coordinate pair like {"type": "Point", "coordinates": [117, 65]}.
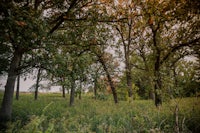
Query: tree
{"type": "Point", "coordinates": [22, 31]}
{"type": "Point", "coordinates": [164, 38]}
{"type": "Point", "coordinates": [126, 30]}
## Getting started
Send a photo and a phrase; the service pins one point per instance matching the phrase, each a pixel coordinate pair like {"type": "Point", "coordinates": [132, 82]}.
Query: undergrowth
{"type": "Point", "coordinates": [51, 114]}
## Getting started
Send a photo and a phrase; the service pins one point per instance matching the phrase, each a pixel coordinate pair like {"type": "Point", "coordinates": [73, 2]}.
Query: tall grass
{"type": "Point", "coordinates": [51, 113]}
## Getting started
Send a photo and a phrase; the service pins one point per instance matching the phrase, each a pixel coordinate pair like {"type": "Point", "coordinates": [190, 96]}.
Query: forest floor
{"type": "Point", "coordinates": [52, 113]}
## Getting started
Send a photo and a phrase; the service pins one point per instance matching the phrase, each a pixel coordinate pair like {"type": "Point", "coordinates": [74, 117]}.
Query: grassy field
{"type": "Point", "coordinates": [51, 114]}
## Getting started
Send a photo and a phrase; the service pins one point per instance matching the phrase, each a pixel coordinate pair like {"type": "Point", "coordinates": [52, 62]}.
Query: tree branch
{"type": "Point", "coordinates": [179, 46]}
{"type": "Point", "coordinates": [60, 19]}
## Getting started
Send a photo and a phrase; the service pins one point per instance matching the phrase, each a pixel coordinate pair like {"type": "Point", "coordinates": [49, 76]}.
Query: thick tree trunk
{"type": "Point", "coordinates": [72, 93]}
{"type": "Point", "coordinates": [18, 85]}
{"type": "Point", "coordinates": [157, 65]}
{"type": "Point", "coordinates": [157, 82]}
{"type": "Point", "coordinates": [37, 83]}
{"type": "Point", "coordinates": [158, 87]}
{"type": "Point", "coordinates": [6, 107]}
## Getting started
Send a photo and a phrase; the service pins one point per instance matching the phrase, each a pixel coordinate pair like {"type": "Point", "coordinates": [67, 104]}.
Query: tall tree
{"type": "Point", "coordinates": [22, 32]}
{"type": "Point", "coordinates": [126, 30]}
{"type": "Point", "coordinates": [22, 26]}
{"type": "Point", "coordinates": [166, 26]}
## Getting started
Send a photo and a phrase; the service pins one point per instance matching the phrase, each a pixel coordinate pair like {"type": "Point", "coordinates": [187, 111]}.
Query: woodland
{"type": "Point", "coordinates": [122, 65]}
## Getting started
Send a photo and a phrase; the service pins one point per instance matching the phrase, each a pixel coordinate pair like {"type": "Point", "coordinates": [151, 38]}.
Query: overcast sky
{"type": "Point", "coordinates": [24, 84]}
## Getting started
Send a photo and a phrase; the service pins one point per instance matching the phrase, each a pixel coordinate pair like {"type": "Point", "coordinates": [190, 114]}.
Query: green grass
{"type": "Point", "coordinates": [51, 113]}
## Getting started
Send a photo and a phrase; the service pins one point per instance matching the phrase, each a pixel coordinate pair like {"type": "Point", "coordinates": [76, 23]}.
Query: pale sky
{"type": "Point", "coordinates": [25, 84]}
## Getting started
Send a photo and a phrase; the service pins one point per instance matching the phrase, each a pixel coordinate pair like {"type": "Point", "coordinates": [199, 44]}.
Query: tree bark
{"type": "Point", "coordinates": [80, 91]}
{"type": "Point", "coordinates": [72, 93]}
{"type": "Point", "coordinates": [158, 97]}
{"type": "Point", "coordinates": [95, 88]}
{"type": "Point", "coordinates": [6, 107]}
{"type": "Point", "coordinates": [79, 96]}
{"type": "Point", "coordinates": [37, 83]}
{"type": "Point", "coordinates": [157, 65]}
{"type": "Point", "coordinates": [18, 85]}
{"type": "Point", "coordinates": [127, 58]}
{"type": "Point", "coordinates": [63, 91]}
{"type": "Point", "coordinates": [157, 86]}
{"type": "Point", "coordinates": [63, 87]}
{"type": "Point", "coordinates": [129, 81]}
{"type": "Point", "coordinates": [109, 79]}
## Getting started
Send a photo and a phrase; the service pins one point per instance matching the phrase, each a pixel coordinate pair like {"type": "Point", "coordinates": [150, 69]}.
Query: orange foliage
{"type": "Point", "coordinates": [150, 21]}
{"type": "Point", "coordinates": [20, 23]}
{"type": "Point", "coordinates": [114, 80]}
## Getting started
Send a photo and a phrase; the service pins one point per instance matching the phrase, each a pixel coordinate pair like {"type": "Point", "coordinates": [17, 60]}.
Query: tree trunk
{"type": "Point", "coordinates": [95, 88]}
{"type": "Point", "coordinates": [80, 91]}
{"type": "Point", "coordinates": [6, 107]}
{"type": "Point", "coordinates": [128, 66]}
{"type": "Point", "coordinates": [158, 97]}
{"type": "Point", "coordinates": [127, 59]}
{"type": "Point", "coordinates": [63, 91]}
{"type": "Point", "coordinates": [37, 83]}
{"type": "Point", "coordinates": [63, 86]}
{"type": "Point", "coordinates": [158, 87]}
{"type": "Point", "coordinates": [127, 54]}
{"type": "Point", "coordinates": [18, 85]}
{"type": "Point", "coordinates": [157, 82]}
{"type": "Point", "coordinates": [157, 65]}
{"type": "Point", "coordinates": [129, 82]}
{"type": "Point", "coordinates": [109, 80]}
{"type": "Point", "coordinates": [175, 77]}
{"type": "Point", "coordinates": [72, 93]}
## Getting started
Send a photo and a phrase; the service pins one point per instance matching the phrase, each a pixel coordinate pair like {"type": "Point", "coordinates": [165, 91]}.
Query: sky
{"type": "Point", "coordinates": [26, 84]}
